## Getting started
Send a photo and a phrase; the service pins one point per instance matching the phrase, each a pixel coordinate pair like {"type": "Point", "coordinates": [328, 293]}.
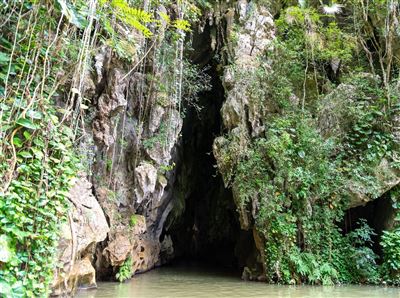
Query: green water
{"type": "Point", "coordinates": [200, 282]}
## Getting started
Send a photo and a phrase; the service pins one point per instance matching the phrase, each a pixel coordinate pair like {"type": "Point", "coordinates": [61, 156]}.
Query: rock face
{"type": "Point", "coordinates": [86, 227]}
{"type": "Point", "coordinates": [255, 35]}
{"type": "Point", "coordinates": [386, 177]}
{"type": "Point", "coordinates": [241, 115]}
{"type": "Point", "coordinates": [243, 119]}
{"type": "Point", "coordinates": [130, 181]}
{"type": "Point", "coordinates": [334, 121]}
{"type": "Point", "coordinates": [146, 178]}
{"type": "Point", "coordinates": [131, 133]}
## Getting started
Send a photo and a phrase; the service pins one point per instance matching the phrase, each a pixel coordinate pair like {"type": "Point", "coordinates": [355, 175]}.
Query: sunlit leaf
{"type": "Point", "coordinates": [26, 123]}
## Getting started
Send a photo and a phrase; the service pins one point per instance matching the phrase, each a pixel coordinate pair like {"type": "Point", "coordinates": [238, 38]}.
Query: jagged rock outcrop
{"type": "Point", "coordinates": [240, 113]}
{"type": "Point", "coordinates": [386, 177]}
{"type": "Point", "coordinates": [86, 226]}
{"type": "Point", "coordinates": [257, 31]}
{"type": "Point", "coordinates": [129, 141]}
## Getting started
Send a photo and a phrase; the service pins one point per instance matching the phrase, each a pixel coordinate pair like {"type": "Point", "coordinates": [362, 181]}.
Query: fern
{"type": "Point", "coordinates": [125, 271]}
{"type": "Point", "coordinates": [181, 24]}
{"type": "Point", "coordinates": [134, 17]}
{"type": "Point", "coordinates": [310, 270]}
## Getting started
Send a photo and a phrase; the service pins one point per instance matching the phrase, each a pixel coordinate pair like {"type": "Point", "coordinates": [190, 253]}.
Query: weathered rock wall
{"type": "Point", "coordinates": [119, 208]}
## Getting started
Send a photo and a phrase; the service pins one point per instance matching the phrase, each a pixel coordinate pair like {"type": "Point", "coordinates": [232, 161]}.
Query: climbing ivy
{"type": "Point", "coordinates": [37, 157]}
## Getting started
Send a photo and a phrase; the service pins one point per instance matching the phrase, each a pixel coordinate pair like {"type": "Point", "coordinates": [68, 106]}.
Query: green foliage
{"type": "Point", "coordinates": [150, 22]}
{"type": "Point", "coordinates": [72, 14]}
{"type": "Point", "coordinates": [304, 29]}
{"type": "Point", "coordinates": [307, 266]}
{"type": "Point", "coordinates": [369, 137]}
{"type": "Point", "coordinates": [159, 139]}
{"type": "Point", "coordinates": [294, 178]}
{"type": "Point", "coordinates": [37, 157]}
{"type": "Point", "coordinates": [34, 206]}
{"type": "Point", "coordinates": [133, 221]}
{"type": "Point", "coordinates": [299, 190]}
{"type": "Point", "coordinates": [297, 179]}
{"type": "Point", "coordinates": [357, 259]}
{"type": "Point", "coordinates": [134, 17]}
{"type": "Point", "coordinates": [109, 164]}
{"type": "Point", "coordinates": [125, 271]}
{"type": "Point", "coordinates": [164, 169]}
{"type": "Point", "coordinates": [390, 242]}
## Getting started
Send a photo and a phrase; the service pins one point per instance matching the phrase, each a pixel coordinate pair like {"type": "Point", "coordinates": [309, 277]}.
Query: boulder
{"type": "Point", "coordinates": [82, 275]}
{"type": "Point", "coordinates": [386, 178]}
{"type": "Point", "coordinates": [86, 227]}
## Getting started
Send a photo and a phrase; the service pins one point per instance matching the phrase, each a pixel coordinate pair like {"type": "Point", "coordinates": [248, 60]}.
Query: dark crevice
{"type": "Point", "coordinates": [379, 215]}
{"type": "Point", "coordinates": [203, 223]}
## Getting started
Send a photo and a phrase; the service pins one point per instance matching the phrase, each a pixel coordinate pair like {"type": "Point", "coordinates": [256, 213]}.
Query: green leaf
{"type": "Point", "coordinates": [72, 15]}
{"type": "Point", "coordinates": [4, 107]}
{"type": "Point", "coordinates": [39, 142]}
{"type": "Point", "coordinates": [5, 289]}
{"type": "Point", "coordinates": [26, 123]}
{"type": "Point", "coordinates": [4, 58]}
{"type": "Point", "coordinates": [6, 252]}
{"type": "Point", "coordinates": [25, 154]}
{"type": "Point", "coordinates": [17, 142]}
{"type": "Point", "coordinates": [38, 153]}
{"type": "Point", "coordinates": [27, 135]}
{"type": "Point", "coordinates": [34, 114]}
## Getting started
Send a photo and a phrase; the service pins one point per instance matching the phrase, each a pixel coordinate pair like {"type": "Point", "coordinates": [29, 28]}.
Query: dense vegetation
{"type": "Point", "coordinates": [321, 65]}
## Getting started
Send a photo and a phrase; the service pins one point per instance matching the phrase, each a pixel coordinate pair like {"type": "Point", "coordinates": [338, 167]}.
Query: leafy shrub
{"type": "Point", "coordinates": [125, 271]}
{"type": "Point", "coordinates": [301, 194]}
{"type": "Point", "coordinates": [390, 243]}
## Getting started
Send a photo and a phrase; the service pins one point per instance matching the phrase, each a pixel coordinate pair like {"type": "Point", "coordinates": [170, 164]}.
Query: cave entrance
{"type": "Point", "coordinates": [379, 215]}
{"type": "Point", "coordinates": [203, 223]}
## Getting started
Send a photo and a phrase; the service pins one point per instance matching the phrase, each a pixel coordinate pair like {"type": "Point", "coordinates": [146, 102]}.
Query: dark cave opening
{"type": "Point", "coordinates": [379, 215]}
{"type": "Point", "coordinates": [203, 223]}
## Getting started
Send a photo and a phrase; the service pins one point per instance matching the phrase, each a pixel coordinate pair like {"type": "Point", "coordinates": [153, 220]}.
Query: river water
{"type": "Point", "coordinates": [184, 281]}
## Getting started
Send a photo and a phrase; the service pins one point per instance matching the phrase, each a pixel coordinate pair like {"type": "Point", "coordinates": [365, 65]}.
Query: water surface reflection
{"type": "Point", "coordinates": [184, 281]}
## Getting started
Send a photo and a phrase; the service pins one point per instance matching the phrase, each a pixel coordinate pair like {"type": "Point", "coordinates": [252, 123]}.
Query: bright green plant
{"type": "Point", "coordinates": [133, 220]}
{"type": "Point", "coordinates": [125, 271]}
{"type": "Point", "coordinates": [37, 156]}
{"type": "Point", "coordinates": [298, 188]}
{"type": "Point", "coordinates": [390, 242]}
